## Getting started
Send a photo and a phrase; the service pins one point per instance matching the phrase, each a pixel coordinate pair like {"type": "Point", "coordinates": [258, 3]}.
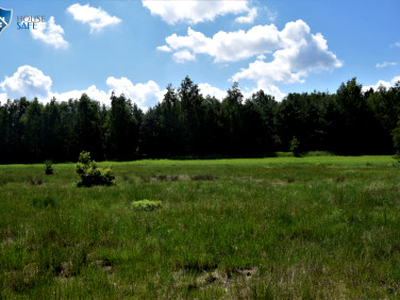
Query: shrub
{"type": "Point", "coordinates": [146, 204]}
{"type": "Point", "coordinates": [91, 174]}
{"type": "Point", "coordinates": [294, 146]}
{"type": "Point", "coordinates": [49, 170]}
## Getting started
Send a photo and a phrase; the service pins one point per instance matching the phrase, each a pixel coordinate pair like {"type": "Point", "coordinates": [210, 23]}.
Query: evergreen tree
{"type": "Point", "coordinates": [33, 131]}
{"type": "Point", "coordinates": [88, 127]}
{"type": "Point", "coordinates": [232, 120]}
{"type": "Point", "coordinates": [260, 123]}
{"type": "Point", "coordinates": [52, 138]}
{"type": "Point", "coordinates": [122, 132]}
{"type": "Point", "coordinates": [12, 131]}
{"type": "Point", "coordinates": [191, 115]}
{"type": "Point", "coordinates": [356, 125]}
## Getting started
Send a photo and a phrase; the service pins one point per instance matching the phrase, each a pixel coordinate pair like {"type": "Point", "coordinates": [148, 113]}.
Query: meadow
{"type": "Point", "coordinates": [284, 227]}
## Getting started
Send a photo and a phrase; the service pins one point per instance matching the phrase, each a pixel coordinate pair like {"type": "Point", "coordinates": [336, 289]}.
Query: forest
{"type": "Point", "coordinates": [187, 124]}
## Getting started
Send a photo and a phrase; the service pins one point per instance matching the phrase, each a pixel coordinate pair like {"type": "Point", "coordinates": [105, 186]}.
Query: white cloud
{"type": "Point", "coordinates": [193, 12]}
{"type": "Point", "coordinates": [386, 64]}
{"type": "Point", "coordinates": [293, 41]}
{"type": "Point", "coordinates": [228, 46]}
{"type": "Point", "coordinates": [272, 90]}
{"type": "Point", "coordinates": [30, 82]}
{"type": "Point", "coordinates": [294, 52]}
{"type": "Point", "coordinates": [50, 33]}
{"type": "Point", "coordinates": [265, 73]}
{"type": "Point", "coordinates": [395, 80]}
{"type": "Point", "coordinates": [27, 82]}
{"type": "Point", "coordinates": [382, 83]}
{"type": "Point", "coordinates": [207, 89]}
{"type": "Point", "coordinates": [249, 18]}
{"type": "Point", "coordinates": [397, 44]}
{"type": "Point", "coordinates": [164, 48]}
{"type": "Point", "coordinates": [301, 53]}
{"type": "Point", "coordinates": [3, 98]}
{"type": "Point", "coordinates": [182, 56]}
{"type": "Point", "coordinates": [144, 94]}
{"type": "Point", "coordinates": [93, 92]}
{"type": "Point", "coordinates": [96, 18]}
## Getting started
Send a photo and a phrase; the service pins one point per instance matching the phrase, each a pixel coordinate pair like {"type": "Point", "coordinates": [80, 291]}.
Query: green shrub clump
{"type": "Point", "coordinates": [294, 146]}
{"type": "Point", "coordinates": [91, 174]}
{"type": "Point", "coordinates": [146, 204]}
{"type": "Point", "coordinates": [49, 170]}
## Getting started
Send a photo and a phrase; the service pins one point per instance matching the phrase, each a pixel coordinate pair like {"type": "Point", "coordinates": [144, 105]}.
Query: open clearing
{"type": "Point", "coordinates": [312, 227]}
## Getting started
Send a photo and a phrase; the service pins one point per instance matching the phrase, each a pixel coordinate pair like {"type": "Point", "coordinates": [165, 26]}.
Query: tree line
{"type": "Point", "coordinates": [189, 124]}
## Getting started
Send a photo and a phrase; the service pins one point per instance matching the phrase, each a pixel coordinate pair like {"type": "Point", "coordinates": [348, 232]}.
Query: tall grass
{"type": "Point", "coordinates": [284, 227]}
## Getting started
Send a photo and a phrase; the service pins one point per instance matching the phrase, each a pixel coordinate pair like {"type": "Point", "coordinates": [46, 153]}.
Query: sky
{"type": "Point", "coordinates": [139, 47]}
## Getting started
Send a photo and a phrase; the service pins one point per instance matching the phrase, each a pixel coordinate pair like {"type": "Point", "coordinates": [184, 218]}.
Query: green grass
{"type": "Point", "coordinates": [285, 227]}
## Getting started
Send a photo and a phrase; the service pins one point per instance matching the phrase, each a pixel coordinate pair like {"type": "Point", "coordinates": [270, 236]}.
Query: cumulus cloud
{"type": "Point", "coordinates": [164, 48]}
{"type": "Point", "coordinates": [269, 72]}
{"type": "Point", "coordinates": [93, 92]}
{"type": "Point", "coordinates": [273, 91]}
{"type": "Point", "coordinates": [293, 52]}
{"type": "Point", "coordinates": [207, 89]}
{"type": "Point", "coordinates": [3, 98]}
{"type": "Point", "coordinates": [395, 80]}
{"type": "Point", "coordinates": [193, 12]}
{"type": "Point", "coordinates": [294, 42]}
{"type": "Point", "coordinates": [228, 46]}
{"type": "Point", "coordinates": [301, 53]}
{"type": "Point", "coordinates": [27, 82]}
{"type": "Point", "coordinates": [30, 82]}
{"type": "Point", "coordinates": [252, 14]}
{"type": "Point", "coordinates": [144, 94]}
{"type": "Point", "coordinates": [386, 64]}
{"type": "Point", "coordinates": [50, 33]}
{"type": "Point", "coordinates": [182, 56]}
{"type": "Point", "coordinates": [382, 83]}
{"type": "Point", "coordinates": [96, 18]}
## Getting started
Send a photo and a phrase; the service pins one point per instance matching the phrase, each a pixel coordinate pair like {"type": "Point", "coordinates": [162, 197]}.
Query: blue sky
{"type": "Point", "coordinates": [138, 47]}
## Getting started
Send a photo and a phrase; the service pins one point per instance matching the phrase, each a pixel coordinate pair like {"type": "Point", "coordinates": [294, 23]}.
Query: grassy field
{"type": "Point", "coordinates": [311, 227]}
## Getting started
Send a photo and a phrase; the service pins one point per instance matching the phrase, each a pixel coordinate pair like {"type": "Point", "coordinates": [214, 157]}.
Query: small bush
{"type": "Point", "coordinates": [90, 174]}
{"type": "Point", "coordinates": [294, 146]}
{"type": "Point", "coordinates": [49, 170]}
{"type": "Point", "coordinates": [146, 205]}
